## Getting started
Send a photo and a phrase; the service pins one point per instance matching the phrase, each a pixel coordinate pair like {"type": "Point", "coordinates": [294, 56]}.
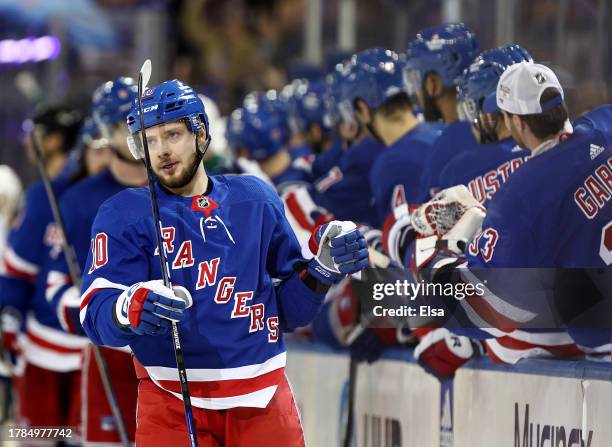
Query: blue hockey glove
{"type": "Point", "coordinates": [150, 307]}
{"type": "Point", "coordinates": [339, 248]}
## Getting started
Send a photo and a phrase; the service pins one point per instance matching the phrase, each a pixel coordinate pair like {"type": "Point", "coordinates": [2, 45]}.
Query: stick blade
{"type": "Point", "coordinates": [145, 73]}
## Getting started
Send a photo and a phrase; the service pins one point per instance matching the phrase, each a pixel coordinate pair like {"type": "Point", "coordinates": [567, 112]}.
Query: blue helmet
{"type": "Point", "coordinates": [89, 132]}
{"type": "Point", "coordinates": [258, 126]}
{"type": "Point", "coordinates": [234, 128]}
{"type": "Point", "coordinates": [446, 50]}
{"type": "Point", "coordinates": [164, 103]}
{"type": "Point", "coordinates": [479, 81]}
{"type": "Point", "coordinates": [310, 105]}
{"type": "Point", "coordinates": [374, 76]}
{"type": "Point", "coordinates": [334, 82]}
{"type": "Point", "coordinates": [112, 101]}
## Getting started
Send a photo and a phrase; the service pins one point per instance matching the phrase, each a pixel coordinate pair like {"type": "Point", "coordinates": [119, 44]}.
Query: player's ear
{"type": "Point", "coordinates": [202, 135]}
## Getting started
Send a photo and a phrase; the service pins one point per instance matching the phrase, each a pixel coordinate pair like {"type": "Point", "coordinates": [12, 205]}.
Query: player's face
{"type": "Point", "coordinates": [173, 153]}
{"type": "Point", "coordinates": [118, 140]}
{"type": "Point", "coordinates": [96, 159]}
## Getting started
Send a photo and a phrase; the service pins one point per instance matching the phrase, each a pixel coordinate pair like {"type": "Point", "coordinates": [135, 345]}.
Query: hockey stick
{"type": "Point", "coordinates": [75, 273]}
{"type": "Point", "coordinates": [143, 80]}
{"type": "Point", "coordinates": [350, 405]}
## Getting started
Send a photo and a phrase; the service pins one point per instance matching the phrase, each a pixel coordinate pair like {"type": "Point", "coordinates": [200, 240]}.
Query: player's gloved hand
{"type": "Point", "coordinates": [445, 225]}
{"type": "Point", "coordinates": [373, 237]}
{"type": "Point", "coordinates": [339, 248]}
{"type": "Point", "coordinates": [150, 307]}
{"type": "Point", "coordinates": [68, 310]}
{"type": "Point", "coordinates": [441, 352]}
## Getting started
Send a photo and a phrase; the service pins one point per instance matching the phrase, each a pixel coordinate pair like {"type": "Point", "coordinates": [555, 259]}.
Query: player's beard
{"type": "Point", "coordinates": [431, 112]}
{"type": "Point", "coordinates": [182, 178]}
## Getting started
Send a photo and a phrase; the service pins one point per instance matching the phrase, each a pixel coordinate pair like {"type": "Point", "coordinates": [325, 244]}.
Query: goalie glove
{"type": "Point", "coordinates": [441, 352]}
{"type": "Point", "coordinates": [445, 224]}
{"type": "Point", "coordinates": [339, 248]}
{"type": "Point", "coordinates": [150, 307]}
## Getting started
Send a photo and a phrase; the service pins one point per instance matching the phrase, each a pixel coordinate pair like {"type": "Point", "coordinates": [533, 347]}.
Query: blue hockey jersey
{"type": "Point", "coordinates": [23, 282]}
{"type": "Point", "coordinates": [323, 162]}
{"type": "Point", "coordinates": [396, 174]}
{"type": "Point", "coordinates": [554, 212]}
{"type": "Point", "coordinates": [456, 138]}
{"type": "Point", "coordinates": [78, 205]}
{"type": "Point", "coordinates": [343, 192]}
{"type": "Point", "coordinates": [485, 169]}
{"type": "Point", "coordinates": [235, 252]}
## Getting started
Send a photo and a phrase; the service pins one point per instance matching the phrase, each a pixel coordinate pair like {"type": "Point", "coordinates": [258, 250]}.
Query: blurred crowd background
{"type": "Point", "coordinates": [227, 48]}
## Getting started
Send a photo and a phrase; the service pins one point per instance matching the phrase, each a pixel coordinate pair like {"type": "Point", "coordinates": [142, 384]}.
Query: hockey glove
{"type": "Point", "coordinates": [150, 307]}
{"type": "Point", "coordinates": [441, 352]}
{"type": "Point", "coordinates": [339, 248]}
{"type": "Point", "coordinates": [68, 310]}
{"type": "Point", "coordinates": [445, 226]}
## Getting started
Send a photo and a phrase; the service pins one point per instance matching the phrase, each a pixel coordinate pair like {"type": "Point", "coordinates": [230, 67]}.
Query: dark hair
{"type": "Point", "coordinates": [397, 103]}
{"type": "Point", "coordinates": [550, 122]}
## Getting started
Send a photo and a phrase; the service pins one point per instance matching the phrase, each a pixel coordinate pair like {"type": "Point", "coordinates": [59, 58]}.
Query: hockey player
{"type": "Point", "coordinates": [485, 170]}
{"type": "Point", "coordinates": [553, 212]}
{"type": "Point", "coordinates": [260, 133]}
{"type": "Point", "coordinates": [93, 148]}
{"type": "Point", "coordinates": [344, 191]}
{"type": "Point", "coordinates": [435, 61]}
{"type": "Point", "coordinates": [11, 196]}
{"type": "Point", "coordinates": [112, 102]}
{"type": "Point", "coordinates": [240, 282]}
{"type": "Point", "coordinates": [342, 133]}
{"type": "Point", "coordinates": [482, 171]}
{"type": "Point", "coordinates": [48, 387]}
{"type": "Point", "coordinates": [310, 115]}
{"type": "Point", "coordinates": [375, 92]}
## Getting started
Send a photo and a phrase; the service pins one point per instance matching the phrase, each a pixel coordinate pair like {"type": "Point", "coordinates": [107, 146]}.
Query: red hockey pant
{"type": "Point", "coordinates": [161, 422]}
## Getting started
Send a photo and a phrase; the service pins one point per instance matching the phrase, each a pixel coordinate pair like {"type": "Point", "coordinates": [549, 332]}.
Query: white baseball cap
{"type": "Point", "coordinates": [520, 88]}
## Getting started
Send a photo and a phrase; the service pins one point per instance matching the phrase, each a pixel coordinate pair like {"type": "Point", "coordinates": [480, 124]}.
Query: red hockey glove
{"type": "Point", "coordinates": [441, 352]}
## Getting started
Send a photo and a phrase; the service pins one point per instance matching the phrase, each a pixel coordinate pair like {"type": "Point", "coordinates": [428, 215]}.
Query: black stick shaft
{"type": "Point", "coordinates": [178, 350]}
{"type": "Point", "coordinates": [350, 413]}
{"type": "Point", "coordinates": [75, 273]}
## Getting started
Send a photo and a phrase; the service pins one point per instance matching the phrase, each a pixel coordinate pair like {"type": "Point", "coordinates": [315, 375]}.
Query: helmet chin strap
{"type": "Point", "coordinates": [199, 155]}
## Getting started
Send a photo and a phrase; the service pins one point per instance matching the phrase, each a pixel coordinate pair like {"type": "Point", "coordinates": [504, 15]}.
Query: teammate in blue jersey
{"type": "Point", "coordinates": [482, 171]}
{"type": "Point", "coordinates": [111, 104]}
{"type": "Point", "coordinates": [343, 191]}
{"type": "Point", "coordinates": [435, 61]}
{"type": "Point", "coordinates": [485, 170]}
{"type": "Point", "coordinates": [259, 132]}
{"type": "Point", "coordinates": [48, 386]}
{"type": "Point", "coordinates": [373, 89]}
{"type": "Point", "coordinates": [311, 115]}
{"type": "Point", "coordinates": [240, 282]}
{"type": "Point", "coordinates": [552, 213]}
